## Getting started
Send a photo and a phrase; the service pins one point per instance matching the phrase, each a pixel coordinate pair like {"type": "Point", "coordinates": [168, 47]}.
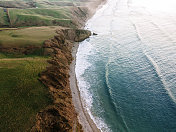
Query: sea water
{"type": "Point", "coordinates": [127, 73]}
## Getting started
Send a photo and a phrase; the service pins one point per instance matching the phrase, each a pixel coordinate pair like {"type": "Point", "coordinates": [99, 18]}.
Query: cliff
{"type": "Point", "coordinates": [27, 44]}
{"type": "Point", "coordinates": [61, 115]}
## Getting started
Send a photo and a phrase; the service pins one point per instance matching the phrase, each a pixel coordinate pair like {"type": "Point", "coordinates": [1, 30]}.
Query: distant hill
{"type": "Point", "coordinates": [23, 13]}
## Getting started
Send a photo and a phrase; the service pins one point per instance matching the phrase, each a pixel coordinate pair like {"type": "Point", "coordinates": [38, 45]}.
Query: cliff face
{"type": "Point", "coordinates": [61, 115]}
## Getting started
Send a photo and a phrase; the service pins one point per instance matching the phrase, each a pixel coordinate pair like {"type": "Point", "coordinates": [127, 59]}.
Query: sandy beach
{"type": "Point", "coordinates": [83, 116]}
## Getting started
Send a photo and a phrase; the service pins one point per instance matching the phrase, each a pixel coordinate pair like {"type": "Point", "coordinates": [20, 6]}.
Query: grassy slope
{"type": "Point", "coordinates": [38, 17]}
{"type": "Point", "coordinates": [3, 18]}
{"type": "Point", "coordinates": [26, 36]}
{"type": "Point", "coordinates": [47, 13]}
{"type": "Point", "coordinates": [21, 94]}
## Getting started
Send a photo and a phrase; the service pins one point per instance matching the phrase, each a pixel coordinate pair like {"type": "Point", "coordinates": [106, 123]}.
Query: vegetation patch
{"type": "Point", "coordinates": [17, 4]}
{"type": "Point", "coordinates": [22, 13]}
{"type": "Point", "coordinates": [26, 36]}
{"type": "Point", "coordinates": [4, 22]}
{"type": "Point", "coordinates": [21, 94]}
{"type": "Point", "coordinates": [37, 17]}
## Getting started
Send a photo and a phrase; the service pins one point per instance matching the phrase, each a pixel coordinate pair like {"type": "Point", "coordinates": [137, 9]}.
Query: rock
{"type": "Point", "coordinates": [95, 34]}
{"type": "Point", "coordinates": [76, 35]}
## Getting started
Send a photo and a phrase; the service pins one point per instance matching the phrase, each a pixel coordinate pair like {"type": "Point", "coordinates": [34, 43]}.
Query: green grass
{"type": "Point", "coordinates": [26, 36]}
{"type": "Point", "coordinates": [21, 94]}
{"type": "Point", "coordinates": [47, 13]}
{"type": "Point", "coordinates": [38, 17]}
{"type": "Point", "coordinates": [3, 18]}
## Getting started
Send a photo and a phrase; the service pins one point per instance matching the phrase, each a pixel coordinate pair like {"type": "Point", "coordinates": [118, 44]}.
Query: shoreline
{"type": "Point", "coordinates": [83, 116]}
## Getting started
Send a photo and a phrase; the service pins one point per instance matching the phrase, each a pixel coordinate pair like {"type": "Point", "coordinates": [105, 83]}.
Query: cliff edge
{"type": "Point", "coordinates": [61, 115]}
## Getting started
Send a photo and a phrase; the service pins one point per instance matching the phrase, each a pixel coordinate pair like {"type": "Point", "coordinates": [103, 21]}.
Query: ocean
{"type": "Point", "coordinates": [127, 73]}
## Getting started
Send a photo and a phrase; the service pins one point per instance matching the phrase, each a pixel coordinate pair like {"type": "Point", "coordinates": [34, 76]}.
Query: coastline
{"type": "Point", "coordinates": [84, 118]}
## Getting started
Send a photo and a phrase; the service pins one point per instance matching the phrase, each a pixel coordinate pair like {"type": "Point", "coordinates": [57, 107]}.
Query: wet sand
{"type": "Point", "coordinates": [83, 116]}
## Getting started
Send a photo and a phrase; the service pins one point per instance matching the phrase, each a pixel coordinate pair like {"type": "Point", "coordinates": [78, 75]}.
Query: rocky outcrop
{"type": "Point", "coordinates": [66, 36]}
{"type": "Point", "coordinates": [76, 35]}
{"type": "Point", "coordinates": [61, 116]}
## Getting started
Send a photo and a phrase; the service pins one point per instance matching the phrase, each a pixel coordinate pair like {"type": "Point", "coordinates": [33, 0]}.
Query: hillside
{"type": "Point", "coordinates": [25, 60]}
{"type": "Point", "coordinates": [24, 13]}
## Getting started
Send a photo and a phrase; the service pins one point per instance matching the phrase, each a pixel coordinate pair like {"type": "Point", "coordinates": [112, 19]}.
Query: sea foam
{"type": "Point", "coordinates": [84, 50]}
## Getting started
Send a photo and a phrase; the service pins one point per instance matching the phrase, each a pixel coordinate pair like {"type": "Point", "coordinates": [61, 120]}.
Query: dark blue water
{"type": "Point", "coordinates": [127, 73]}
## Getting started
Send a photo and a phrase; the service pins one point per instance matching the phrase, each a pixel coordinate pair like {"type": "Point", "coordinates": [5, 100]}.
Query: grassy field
{"type": "Point", "coordinates": [44, 13]}
{"type": "Point", "coordinates": [21, 94]}
{"type": "Point", "coordinates": [3, 18]}
{"type": "Point", "coordinates": [26, 36]}
{"type": "Point", "coordinates": [39, 17]}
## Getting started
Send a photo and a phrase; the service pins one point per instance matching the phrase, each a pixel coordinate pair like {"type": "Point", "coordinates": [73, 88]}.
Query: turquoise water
{"type": "Point", "coordinates": [127, 73]}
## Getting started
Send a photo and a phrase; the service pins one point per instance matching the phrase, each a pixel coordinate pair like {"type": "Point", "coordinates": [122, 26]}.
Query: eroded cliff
{"type": "Point", "coordinates": [61, 115]}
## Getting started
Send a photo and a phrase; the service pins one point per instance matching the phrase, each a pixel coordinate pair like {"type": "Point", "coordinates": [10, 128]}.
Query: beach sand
{"type": "Point", "coordinates": [83, 116]}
